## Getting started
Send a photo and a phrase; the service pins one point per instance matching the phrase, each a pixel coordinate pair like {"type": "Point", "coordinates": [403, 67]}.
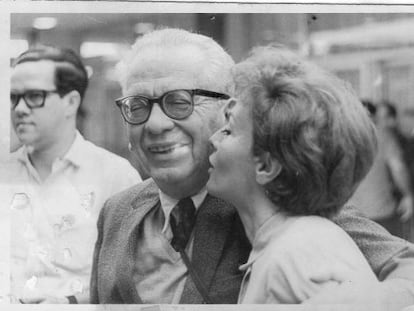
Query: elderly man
{"type": "Point", "coordinates": [167, 240]}
{"type": "Point", "coordinates": [58, 180]}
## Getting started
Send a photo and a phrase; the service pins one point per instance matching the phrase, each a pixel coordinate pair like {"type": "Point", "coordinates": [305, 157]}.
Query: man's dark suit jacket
{"type": "Point", "coordinates": [220, 247]}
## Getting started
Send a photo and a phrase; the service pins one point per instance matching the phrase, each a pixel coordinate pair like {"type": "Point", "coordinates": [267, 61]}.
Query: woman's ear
{"type": "Point", "coordinates": [267, 168]}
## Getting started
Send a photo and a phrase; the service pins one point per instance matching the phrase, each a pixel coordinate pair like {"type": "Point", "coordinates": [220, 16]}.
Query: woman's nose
{"type": "Point", "coordinates": [213, 140]}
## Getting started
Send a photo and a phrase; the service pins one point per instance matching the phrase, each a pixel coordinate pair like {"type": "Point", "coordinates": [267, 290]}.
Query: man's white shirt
{"type": "Point", "coordinates": [53, 222]}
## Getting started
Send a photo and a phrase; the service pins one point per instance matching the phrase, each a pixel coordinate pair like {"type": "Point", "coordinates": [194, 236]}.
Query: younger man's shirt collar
{"type": "Point", "coordinates": [74, 156]}
{"type": "Point", "coordinates": [76, 153]}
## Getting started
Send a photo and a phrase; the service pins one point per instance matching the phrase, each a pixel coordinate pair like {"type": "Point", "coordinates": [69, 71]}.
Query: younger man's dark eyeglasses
{"type": "Point", "coordinates": [32, 98]}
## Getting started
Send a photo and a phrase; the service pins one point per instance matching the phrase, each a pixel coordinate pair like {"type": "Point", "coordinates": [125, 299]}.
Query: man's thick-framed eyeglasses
{"type": "Point", "coordinates": [32, 98]}
{"type": "Point", "coordinates": [176, 104]}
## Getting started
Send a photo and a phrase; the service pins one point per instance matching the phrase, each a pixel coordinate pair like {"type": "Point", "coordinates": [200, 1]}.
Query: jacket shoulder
{"type": "Point", "coordinates": [130, 197]}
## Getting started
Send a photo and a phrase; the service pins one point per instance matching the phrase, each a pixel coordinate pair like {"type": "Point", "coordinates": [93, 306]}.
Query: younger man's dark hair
{"type": "Point", "coordinates": [70, 72]}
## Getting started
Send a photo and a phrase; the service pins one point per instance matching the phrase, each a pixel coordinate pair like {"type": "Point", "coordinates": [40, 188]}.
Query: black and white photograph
{"type": "Point", "coordinates": [198, 155]}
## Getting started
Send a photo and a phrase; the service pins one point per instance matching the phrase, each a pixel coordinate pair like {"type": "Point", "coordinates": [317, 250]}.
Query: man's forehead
{"type": "Point", "coordinates": [155, 87]}
{"type": "Point", "coordinates": [176, 68]}
{"type": "Point", "coordinates": [35, 72]}
{"type": "Point", "coordinates": [33, 66]}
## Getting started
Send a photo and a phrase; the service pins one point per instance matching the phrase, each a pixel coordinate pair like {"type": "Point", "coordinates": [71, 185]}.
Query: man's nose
{"type": "Point", "coordinates": [158, 122]}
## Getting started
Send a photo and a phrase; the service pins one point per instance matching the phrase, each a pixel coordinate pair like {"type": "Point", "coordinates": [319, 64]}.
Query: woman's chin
{"type": "Point", "coordinates": [212, 187]}
{"type": "Point", "coordinates": [220, 189]}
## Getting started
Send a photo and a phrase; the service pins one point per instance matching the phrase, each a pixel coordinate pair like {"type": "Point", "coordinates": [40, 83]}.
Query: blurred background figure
{"type": "Point", "coordinates": [408, 147]}
{"type": "Point", "coordinates": [385, 195]}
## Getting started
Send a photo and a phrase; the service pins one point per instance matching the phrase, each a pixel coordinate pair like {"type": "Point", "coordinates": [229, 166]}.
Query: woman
{"type": "Point", "coordinates": [292, 151]}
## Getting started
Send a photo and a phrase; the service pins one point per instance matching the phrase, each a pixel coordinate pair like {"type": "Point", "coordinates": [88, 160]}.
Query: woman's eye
{"type": "Point", "coordinates": [225, 132]}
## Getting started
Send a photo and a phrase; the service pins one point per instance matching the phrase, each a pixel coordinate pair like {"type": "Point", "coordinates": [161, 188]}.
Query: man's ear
{"type": "Point", "coordinates": [230, 104]}
{"type": "Point", "coordinates": [73, 100]}
{"type": "Point", "coordinates": [221, 118]}
{"type": "Point", "coordinates": [267, 168]}
{"type": "Point", "coordinates": [225, 108]}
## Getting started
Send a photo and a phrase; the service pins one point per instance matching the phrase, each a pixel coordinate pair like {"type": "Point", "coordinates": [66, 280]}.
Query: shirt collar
{"type": "Point", "coordinates": [75, 154]}
{"type": "Point", "coordinates": [168, 203]}
{"type": "Point", "coordinates": [271, 229]}
{"type": "Point", "coordinates": [23, 156]}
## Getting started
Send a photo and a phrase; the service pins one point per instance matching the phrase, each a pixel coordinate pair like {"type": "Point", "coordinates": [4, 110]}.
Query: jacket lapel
{"type": "Point", "coordinates": [213, 224]}
{"type": "Point", "coordinates": [139, 207]}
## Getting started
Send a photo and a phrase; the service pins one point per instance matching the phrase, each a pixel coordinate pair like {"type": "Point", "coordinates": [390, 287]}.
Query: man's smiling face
{"type": "Point", "coordinates": [174, 152]}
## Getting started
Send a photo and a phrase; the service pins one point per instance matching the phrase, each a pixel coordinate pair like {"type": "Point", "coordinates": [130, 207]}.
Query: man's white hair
{"type": "Point", "coordinates": [218, 63]}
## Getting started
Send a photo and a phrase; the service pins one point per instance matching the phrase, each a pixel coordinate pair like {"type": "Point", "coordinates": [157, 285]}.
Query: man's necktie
{"type": "Point", "coordinates": [182, 221]}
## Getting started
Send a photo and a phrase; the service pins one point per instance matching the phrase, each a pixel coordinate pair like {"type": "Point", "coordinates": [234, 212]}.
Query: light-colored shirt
{"type": "Point", "coordinates": [53, 222]}
{"type": "Point", "coordinates": [289, 252]}
{"type": "Point", "coordinates": [160, 273]}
